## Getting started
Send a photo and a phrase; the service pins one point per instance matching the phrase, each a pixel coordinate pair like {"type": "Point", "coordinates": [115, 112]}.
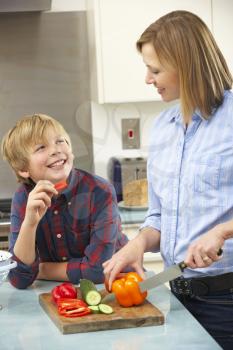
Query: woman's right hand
{"type": "Point", "coordinates": [39, 200]}
{"type": "Point", "coordinates": [130, 255]}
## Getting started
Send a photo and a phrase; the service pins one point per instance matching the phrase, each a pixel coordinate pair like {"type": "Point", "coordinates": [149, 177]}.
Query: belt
{"type": "Point", "coordinates": [203, 285]}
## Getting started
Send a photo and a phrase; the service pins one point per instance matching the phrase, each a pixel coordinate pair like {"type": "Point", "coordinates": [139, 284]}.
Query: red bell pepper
{"type": "Point", "coordinates": [72, 308]}
{"type": "Point", "coordinates": [64, 290]}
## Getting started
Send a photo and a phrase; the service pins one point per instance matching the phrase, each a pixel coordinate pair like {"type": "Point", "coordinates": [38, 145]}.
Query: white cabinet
{"type": "Point", "coordinates": [25, 5]}
{"type": "Point", "coordinates": [223, 28]}
{"type": "Point", "coordinates": [116, 68]}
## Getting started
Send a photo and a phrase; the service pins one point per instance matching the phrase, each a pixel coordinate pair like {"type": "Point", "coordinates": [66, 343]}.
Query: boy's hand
{"type": "Point", "coordinates": [39, 200]}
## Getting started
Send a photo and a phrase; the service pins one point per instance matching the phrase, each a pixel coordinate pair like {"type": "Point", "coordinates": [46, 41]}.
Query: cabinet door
{"type": "Point", "coordinates": [114, 59]}
{"type": "Point", "coordinates": [223, 28]}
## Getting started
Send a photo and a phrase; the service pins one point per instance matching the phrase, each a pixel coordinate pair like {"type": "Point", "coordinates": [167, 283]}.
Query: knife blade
{"type": "Point", "coordinates": [160, 278]}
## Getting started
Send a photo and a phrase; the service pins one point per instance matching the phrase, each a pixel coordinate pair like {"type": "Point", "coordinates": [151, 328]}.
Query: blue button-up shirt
{"type": "Point", "coordinates": [190, 179]}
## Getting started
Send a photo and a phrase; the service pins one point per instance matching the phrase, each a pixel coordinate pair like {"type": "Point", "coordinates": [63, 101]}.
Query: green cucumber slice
{"type": "Point", "coordinates": [89, 292]}
{"type": "Point", "coordinates": [94, 309]}
{"type": "Point", "coordinates": [105, 309]}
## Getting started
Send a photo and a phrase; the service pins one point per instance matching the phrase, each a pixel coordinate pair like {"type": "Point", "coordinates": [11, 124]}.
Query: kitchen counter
{"type": "Point", "coordinates": [25, 326]}
{"type": "Point", "coordinates": [127, 217]}
{"type": "Point", "coordinates": [132, 216]}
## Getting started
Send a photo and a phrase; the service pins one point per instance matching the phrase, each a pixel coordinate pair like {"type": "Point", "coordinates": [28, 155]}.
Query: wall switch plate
{"type": "Point", "coordinates": [130, 132]}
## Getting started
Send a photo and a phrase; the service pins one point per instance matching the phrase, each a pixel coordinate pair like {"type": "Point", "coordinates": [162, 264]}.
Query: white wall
{"type": "Point", "coordinates": [106, 128]}
{"type": "Point", "coordinates": [68, 5]}
{"type": "Point", "coordinates": [51, 77]}
{"type": "Point", "coordinates": [106, 118]}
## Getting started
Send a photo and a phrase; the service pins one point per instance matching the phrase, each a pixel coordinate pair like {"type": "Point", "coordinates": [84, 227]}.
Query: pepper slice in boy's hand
{"type": "Point", "coordinates": [61, 185]}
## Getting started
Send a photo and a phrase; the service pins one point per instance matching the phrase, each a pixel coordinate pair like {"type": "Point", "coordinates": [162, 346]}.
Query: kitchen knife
{"type": "Point", "coordinates": [167, 275]}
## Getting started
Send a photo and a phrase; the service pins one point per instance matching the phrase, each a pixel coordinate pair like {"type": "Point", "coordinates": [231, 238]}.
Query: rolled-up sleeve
{"type": "Point", "coordinates": [23, 275]}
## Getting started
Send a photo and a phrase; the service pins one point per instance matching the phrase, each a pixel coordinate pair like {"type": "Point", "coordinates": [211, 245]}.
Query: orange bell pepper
{"type": "Point", "coordinates": [127, 291]}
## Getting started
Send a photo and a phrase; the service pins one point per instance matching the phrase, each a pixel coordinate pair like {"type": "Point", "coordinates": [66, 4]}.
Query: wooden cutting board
{"type": "Point", "coordinates": [137, 316]}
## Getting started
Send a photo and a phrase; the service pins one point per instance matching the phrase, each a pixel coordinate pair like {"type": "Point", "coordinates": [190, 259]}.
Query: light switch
{"type": "Point", "coordinates": [130, 131]}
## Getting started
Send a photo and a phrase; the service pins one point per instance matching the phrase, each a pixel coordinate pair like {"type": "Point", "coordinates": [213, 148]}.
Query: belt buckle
{"type": "Point", "coordinates": [182, 286]}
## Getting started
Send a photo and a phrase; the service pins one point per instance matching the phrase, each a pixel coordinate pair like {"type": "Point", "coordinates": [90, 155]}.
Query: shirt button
{"type": "Point", "coordinates": [64, 258]}
{"type": "Point", "coordinates": [58, 235]}
{"type": "Point", "coordinates": [55, 212]}
{"type": "Point", "coordinates": [69, 203]}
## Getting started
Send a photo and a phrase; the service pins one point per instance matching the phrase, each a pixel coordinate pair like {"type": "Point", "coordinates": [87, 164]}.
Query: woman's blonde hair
{"type": "Point", "coordinates": [28, 131]}
{"type": "Point", "coordinates": [184, 42]}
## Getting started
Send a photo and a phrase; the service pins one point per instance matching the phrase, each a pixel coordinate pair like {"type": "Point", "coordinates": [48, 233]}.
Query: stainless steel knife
{"type": "Point", "coordinates": [167, 275]}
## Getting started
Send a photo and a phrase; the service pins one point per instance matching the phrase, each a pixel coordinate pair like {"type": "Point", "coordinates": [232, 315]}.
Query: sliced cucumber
{"type": "Point", "coordinates": [105, 309]}
{"type": "Point", "coordinates": [89, 292]}
{"type": "Point", "coordinates": [94, 309]}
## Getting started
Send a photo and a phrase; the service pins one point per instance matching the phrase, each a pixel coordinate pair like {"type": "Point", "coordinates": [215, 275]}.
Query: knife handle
{"type": "Point", "coordinates": [182, 264]}
{"type": "Point", "coordinates": [220, 251]}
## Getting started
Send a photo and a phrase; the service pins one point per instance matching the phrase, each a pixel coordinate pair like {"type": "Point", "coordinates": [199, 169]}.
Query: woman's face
{"type": "Point", "coordinates": [164, 79]}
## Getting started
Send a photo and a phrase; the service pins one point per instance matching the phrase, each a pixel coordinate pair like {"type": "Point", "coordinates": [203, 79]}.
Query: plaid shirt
{"type": "Point", "coordinates": [82, 227]}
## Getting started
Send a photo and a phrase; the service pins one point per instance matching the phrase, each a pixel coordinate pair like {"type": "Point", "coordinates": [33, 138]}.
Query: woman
{"type": "Point", "coordinates": [190, 167]}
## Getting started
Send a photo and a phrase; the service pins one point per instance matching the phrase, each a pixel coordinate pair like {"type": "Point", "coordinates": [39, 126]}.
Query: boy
{"type": "Point", "coordinates": [57, 235]}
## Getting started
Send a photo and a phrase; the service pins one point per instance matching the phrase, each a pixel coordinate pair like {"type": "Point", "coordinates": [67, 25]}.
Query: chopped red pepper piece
{"type": "Point", "coordinates": [72, 308]}
{"type": "Point", "coordinates": [64, 302]}
{"type": "Point", "coordinates": [61, 185]}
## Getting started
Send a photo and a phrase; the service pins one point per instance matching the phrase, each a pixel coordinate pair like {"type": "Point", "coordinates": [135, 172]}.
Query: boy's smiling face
{"type": "Point", "coordinates": [52, 159]}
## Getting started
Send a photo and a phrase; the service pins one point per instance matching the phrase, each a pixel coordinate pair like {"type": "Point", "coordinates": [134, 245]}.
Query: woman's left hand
{"type": "Point", "coordinates": [204, 251]}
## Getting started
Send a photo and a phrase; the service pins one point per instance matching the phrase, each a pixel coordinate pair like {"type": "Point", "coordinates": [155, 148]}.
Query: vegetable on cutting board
{"type": "Point", "coordinates": [72, 308]}
{"type": "Point", "coordinates": [64, 290]}
{"type": "Point", "coordinates": [68, 305]}
{"type": "Point", "coordinates": [105, 309]}
{"type": "Point", "coordinates": [127, 291]}
{"type": "Point", "coordinates": [89, 292]}
{"type": "Point", "coordinates": [101, 308]}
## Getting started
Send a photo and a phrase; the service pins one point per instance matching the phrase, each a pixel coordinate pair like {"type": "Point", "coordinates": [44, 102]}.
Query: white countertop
{"type": "Point", "coordinates": [25, 326]}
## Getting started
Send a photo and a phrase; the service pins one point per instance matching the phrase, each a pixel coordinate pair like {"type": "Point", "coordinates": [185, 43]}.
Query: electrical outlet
{"type": "Point", "coordinates": [130, 132]}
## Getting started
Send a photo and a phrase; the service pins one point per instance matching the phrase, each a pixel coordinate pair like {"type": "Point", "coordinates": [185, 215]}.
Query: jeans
{"type": "Point", "coordinates": [215, 313]}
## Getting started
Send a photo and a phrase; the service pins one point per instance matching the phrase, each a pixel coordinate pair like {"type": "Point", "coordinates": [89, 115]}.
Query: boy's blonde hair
{"type": "Point", "coordinates": [28, 131]}
{"type": "Point", "coordinates": [183, 41]}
